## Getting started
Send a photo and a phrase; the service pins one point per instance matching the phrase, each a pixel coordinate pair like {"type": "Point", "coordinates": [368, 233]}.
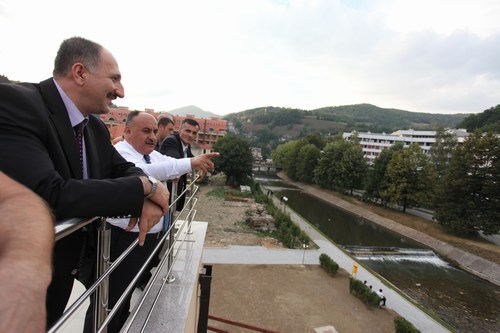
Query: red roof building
{"type": "Point", "coordinates": [211, 129]}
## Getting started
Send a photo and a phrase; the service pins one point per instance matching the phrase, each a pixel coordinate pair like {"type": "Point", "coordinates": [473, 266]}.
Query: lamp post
{"type": "Point", "coordinates": [304, 246]}
{"type": "Point", "coordinates": [285, 199]}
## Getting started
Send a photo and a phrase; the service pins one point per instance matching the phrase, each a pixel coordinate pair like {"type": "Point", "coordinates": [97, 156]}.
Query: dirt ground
{"type": "Point", "coordinates": [280, 298]}
{"type": "Point", "coordinates": [227, 221]}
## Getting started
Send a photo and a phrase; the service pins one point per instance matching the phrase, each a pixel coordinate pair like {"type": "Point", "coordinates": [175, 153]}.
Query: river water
{"type": "Point", "coordinates": [466, 302]}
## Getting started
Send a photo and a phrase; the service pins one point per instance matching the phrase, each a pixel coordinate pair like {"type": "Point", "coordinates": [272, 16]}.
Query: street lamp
{"type": "Point", "coordinates": [304, 246]}
{"type": "Point", "coordinates": [285, 199]}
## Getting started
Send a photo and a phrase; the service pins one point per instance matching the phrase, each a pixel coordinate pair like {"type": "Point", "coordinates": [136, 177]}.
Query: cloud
{"type": "Point", "coordinates": [227, 56]}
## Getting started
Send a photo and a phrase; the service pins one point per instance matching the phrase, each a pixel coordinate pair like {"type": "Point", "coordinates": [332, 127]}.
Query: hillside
{"type": "Point", "coordinates": [489, 120]}
{"type": "Point", "coordinates": [360, 117]}
{"type": "Point", "coordinates": [266, 127]}
{"type": "Point", "coordinates": [193, 110]}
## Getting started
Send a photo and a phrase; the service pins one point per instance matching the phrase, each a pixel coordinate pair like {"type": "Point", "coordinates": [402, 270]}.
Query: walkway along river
{"type": "Point", "coordinates": [466, 302]}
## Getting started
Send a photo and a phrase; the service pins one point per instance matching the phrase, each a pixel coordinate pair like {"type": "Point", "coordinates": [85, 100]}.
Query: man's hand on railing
{"type": "Point", "coordinates": [161, 197]}
{"type": "Point", "coordinates": [154, 208]}
{"type": "Point", "coordinates": [203, 162]}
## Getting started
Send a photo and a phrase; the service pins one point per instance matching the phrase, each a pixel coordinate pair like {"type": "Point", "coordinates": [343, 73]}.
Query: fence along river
{"type": "Point", "coordinates": [468, 303]}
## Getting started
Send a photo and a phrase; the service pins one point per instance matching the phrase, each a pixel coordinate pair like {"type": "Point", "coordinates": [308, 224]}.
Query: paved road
{"type": "Point", "coordinates": [259, 255]}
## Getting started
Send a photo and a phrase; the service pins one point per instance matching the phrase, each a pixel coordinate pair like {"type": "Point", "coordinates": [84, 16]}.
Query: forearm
{"type": "Point", "coordinates": [26, 240]}
{"type": "Point", "coordinates": [26, 235]}
{"type": "Point", "coordinates": [167, 169]}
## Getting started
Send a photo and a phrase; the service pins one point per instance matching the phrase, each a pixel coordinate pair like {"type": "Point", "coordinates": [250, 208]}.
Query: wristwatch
{"type": "Point", "coordinates": [154, 185]}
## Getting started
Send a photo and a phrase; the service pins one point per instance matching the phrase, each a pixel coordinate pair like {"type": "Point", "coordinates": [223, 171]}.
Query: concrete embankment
{"type": "Point", "coordinates": [467, 261]}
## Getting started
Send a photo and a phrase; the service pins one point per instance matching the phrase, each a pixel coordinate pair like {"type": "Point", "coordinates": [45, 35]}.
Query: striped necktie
{"type": "Point", "coordinates": [147, 159]}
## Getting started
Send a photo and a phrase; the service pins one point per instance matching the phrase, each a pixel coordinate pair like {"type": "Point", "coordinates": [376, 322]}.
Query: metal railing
{"type": "Point", "coordinates": [171, 242]}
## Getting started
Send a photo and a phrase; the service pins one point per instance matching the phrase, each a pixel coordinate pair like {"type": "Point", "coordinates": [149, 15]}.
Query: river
{"type": "Point", "coordinates": [466, 302]}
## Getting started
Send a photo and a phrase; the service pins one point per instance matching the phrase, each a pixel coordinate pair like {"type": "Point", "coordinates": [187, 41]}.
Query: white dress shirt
{"type": "Point", "coordinates": [162, 168]}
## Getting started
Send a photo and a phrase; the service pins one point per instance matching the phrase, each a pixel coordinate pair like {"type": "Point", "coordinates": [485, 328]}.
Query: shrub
{"type": "Point", "coordinates": [261, 198]}
{"type": "Point", "coordinates": [328, 264]}
{"type": "Point", "coordinates": [287, 232]}
{"type": "Point", "coordinates": [404, 326]}
{"type": "Point", "coordinates": [363, 292]}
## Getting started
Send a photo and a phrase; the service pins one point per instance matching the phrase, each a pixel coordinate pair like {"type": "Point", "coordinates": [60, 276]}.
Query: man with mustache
{"type": "Point", "coordinates": [52, 142]}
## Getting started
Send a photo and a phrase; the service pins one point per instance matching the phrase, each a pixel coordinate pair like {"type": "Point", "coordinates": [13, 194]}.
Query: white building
{"type": "Point", "coordinates": [373, 144]}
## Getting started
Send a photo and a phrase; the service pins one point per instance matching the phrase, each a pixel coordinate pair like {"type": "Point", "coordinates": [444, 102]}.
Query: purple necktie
{"type": "Point", "coordinates": [79, 140]}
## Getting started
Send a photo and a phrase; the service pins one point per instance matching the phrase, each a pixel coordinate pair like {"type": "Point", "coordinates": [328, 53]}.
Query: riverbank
{"type": "Point", "coordinates": [452, 248]}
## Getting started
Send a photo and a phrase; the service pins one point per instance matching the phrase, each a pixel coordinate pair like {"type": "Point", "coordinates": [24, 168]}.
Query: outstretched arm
{"type": "Point", "coordinates": [26, 240]}
{"type": "Point", "coordinates": [203, 162]}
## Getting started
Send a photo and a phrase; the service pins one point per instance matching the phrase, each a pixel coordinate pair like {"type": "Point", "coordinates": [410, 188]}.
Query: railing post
{"type": "Point", "coordinates": [171, 234]}
{"type": "Point", "coordinates": [190, 220]}
{"type": "Point", "coordinates": [205, 281]}
{"type": "Point", "coordinates": [102, 264]}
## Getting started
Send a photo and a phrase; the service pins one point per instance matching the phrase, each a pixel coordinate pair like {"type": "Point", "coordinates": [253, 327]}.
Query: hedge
{"type": "Point", "coordinates": [404, 326]}
{"type": "Point", "coordinates": [363, 292]}
{"type": "Point", "coordinates": [287, 232]}
{"type": "Point", "coordinates": [328, 264]}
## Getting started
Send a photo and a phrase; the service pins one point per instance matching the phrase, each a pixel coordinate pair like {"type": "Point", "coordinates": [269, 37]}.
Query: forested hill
{"type": "Point", "coordinates": [489, 120]}
{"type": "Point", "coordinates": [360, 117]}
{"type": "Point", "coordinates": [386, 120]}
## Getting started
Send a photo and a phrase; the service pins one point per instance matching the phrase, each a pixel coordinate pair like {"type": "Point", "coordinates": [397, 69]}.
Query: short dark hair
{"type": "Point", "coordinates": [191, 122]}
{"type": "Point", "coordinates": [76, 49]}
{"type": "Point", "coordinates": [164, 121]}
{"type": "Point", "coordinates": [130, 117]}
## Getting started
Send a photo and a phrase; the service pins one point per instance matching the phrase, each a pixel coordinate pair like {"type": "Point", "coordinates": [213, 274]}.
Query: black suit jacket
{"type": "Point", "coordinates": [172, 146]}
{"type": "Point", "coordinates": [38, 149]}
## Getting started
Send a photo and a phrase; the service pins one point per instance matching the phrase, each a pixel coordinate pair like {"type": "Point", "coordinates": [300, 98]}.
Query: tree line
{"type": "Point", "coordinates": [487, 121]}
{"type": "Point", "coordinates": [458, 181]}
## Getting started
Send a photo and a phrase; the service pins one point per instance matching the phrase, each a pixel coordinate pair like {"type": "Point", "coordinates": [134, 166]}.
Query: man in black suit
{"type": "Point", "coordinates": [178, 145]}
{"type": "Point", "coordinates": [165, 129]}
{"type": "Point", "coordinates": [79, 174]}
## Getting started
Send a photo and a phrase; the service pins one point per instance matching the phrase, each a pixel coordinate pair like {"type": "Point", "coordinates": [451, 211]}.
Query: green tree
{"type": "Point", "coordinates": [341, 166]}
{"type": "Point", "coordinates": [441, 150]}
{"type": "Point", "coordinates": [235, 159]}
{"type": "Point", "coordinates": [468, 198]}
{"type": "Point", "coordinates": [352, 168]}
{"type": "Point", "coordinates": [265, 135]}
{"type": "Point", "coordinates": [278, 155]}
{"type": "Point", "coordinates": [307, 159]}
{"type": "Point", "coordinates": [316, 139]}
{"type": "Point", "coordinates": [286, 155]}
{"type": "Point", "coordinates": [376, 182]}
{"type": "Point", "coordinates": [327, 172]}
{"type": "Point", "coordinates": [410, 178]}
{"type": "Point", "coordinates": [487, 121]}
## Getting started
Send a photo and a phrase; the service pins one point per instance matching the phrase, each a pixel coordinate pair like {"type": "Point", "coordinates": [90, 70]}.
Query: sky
{"type": "Point", "coordinates": [228, 56]}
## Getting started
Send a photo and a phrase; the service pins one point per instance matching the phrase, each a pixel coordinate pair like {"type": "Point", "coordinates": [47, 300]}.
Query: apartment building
{"type": "Point", "coordinates": [373, 144]}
